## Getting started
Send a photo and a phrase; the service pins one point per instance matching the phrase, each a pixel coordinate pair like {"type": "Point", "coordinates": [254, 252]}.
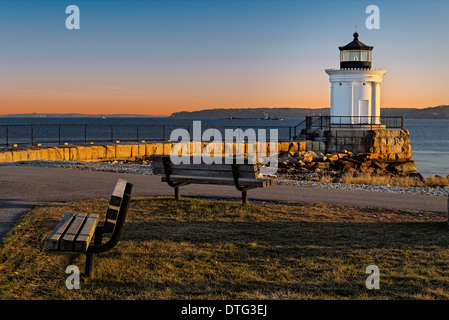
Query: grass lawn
{"type": "Point", "coordinates": [197, 249]}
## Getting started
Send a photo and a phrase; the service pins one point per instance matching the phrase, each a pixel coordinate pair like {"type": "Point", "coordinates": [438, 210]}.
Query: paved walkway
{"type": "Point", "coordinates": [21, 188]}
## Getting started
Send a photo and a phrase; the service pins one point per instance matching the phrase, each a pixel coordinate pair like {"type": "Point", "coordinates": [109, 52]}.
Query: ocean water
{"type": "Point", "coordinates": [430, 145]}
{"type": "Point", "coordinates": [429, 138]}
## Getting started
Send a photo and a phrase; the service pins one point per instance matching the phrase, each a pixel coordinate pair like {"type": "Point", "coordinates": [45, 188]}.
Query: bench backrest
{"type": "Point", "coordinates": [118, 205]}
{"type": "Point", "coordinates": [245, 170]}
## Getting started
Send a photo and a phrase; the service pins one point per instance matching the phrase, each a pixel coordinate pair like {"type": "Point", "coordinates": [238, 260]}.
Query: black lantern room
{"type": "Point", "coordinates": [355, 55]}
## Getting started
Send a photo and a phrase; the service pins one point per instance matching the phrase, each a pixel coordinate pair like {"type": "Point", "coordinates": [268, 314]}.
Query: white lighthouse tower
{"type": "Point", "coordinates": [355, 87]}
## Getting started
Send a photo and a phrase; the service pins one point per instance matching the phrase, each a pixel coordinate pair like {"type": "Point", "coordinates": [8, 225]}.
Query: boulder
{"type": "Point", "coordinates": [365, 165]}
{"type": "Point", "coordinates": [378, 165]}
{"type": "Point", "coordinates": [403, 167]}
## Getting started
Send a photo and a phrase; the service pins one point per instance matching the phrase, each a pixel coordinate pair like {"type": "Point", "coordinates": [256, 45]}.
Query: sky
{"type": "Point", "coordinates": [162, 56]}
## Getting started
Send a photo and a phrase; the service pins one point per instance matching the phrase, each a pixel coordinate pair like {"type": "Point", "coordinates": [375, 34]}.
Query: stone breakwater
{"type": "Point", "coordinates": [397, 152]}
{"type": "Point", "coordinates": [125, 151]}
{"type": "Point", "coordinates": [306, 160]}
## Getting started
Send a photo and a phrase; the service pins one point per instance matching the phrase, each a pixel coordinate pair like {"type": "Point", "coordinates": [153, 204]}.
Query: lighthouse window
{"type": "Point", "coordinates": [355, 56]}
{"type": "Point", "coordinates": [364, 56]}
{"type": "Point", "coordinates": [345, 56]}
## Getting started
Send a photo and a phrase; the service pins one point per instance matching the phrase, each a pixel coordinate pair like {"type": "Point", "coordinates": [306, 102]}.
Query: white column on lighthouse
{"type": "Point", "coordinates": [376, 100]}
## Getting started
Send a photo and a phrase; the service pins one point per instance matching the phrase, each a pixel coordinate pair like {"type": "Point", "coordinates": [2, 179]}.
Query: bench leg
{"type": "Point", "coordinates": [177, 193]}
{"type": "Point", "coordinates": [90, 264]}
{"type": "Point", "coordinates": [244, 197]}
{"type": "Point", "coordinates": [92, 257]}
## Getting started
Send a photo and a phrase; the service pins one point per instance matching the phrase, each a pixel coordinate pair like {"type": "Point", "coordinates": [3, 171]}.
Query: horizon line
{"type": "Point", "coordinates": [164, 115]}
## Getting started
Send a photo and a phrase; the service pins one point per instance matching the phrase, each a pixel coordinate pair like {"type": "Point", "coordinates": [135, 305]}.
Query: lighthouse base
{"type": "Point", "coordinates": [388, 145]}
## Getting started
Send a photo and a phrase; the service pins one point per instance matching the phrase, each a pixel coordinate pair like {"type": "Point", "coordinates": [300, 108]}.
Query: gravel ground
{"type": "Point", "coordinates": [144, 167]}
{"type": "Point", "coordinates": [376, 188]}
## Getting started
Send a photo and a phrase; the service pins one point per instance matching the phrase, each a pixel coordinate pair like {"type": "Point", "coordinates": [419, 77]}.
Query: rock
{"type": "Point", "coordinates": [403, 167]}
{"type": "Point", "coordinates": [365, 165]}
{"type": "Point", "coordinates": [344, 165]}
{"type": "Point", "coordinates": [322, 165]}
{"type": "Point", "coordinates": [417, 176]}
{"type": "Point", "coordinates": [299, 163]}
{"type": "Point", "coordinates": [307, 159]}
{"type": "Point", "coordinates": [378, 165]}
{"type": "Point", "coordinates": [312, 176]}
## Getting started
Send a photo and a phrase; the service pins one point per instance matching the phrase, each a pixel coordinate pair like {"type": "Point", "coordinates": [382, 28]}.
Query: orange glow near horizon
{"type": "Point", "coordinates": [166, 105]}
{"type": "Point", "coordinates": [162, 94]}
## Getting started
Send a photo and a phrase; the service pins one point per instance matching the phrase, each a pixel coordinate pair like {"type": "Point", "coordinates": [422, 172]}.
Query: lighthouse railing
{"type": "Point", "coordinates": [314, 123]}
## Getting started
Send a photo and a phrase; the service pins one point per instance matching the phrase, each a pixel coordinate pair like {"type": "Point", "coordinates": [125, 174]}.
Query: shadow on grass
{"type": "Point", "coordinates": [375, 234]}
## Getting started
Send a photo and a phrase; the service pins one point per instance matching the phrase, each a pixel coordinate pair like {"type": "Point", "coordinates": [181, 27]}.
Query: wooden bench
{"type": "Point", "coordinates": [244, 176]}
{"type": "Point", "coordinates": [75, 232]}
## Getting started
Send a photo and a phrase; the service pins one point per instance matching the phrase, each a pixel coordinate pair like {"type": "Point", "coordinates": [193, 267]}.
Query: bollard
{"type": "Point", "coordinates": [448, 210]}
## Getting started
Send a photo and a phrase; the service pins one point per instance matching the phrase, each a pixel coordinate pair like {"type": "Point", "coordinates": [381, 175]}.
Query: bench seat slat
{"type": "Point", "coordinates": [210, 173]}
{"type": "Point", "coordinates": [256, 183]}
{"type": "Point", "coordinates": [66, 243]}
{"type": "Point", "coordinates": [207, 167]}
{"type": "Point", "coordinates": [199, 160]}
{"type": "Point", "coordinates": [59, 230]}
{"type": "Point", "coordinates": [87, 232]}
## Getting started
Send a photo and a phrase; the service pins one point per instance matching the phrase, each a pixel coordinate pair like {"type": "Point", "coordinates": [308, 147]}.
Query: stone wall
{"type": "Point", "coordinates": [121, 151]}
{"type": "Point", "coordinates": [386, 145]}
{"type": "Point", "coordinates": [389, 145]}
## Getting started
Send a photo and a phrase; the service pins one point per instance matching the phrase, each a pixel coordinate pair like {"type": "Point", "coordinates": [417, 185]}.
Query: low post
{"type": "Point", "coordinates": [448, 210]}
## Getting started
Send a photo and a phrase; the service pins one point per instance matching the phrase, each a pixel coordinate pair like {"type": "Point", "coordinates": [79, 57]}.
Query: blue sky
{"type": "Point", "coordinates": [209, 53]}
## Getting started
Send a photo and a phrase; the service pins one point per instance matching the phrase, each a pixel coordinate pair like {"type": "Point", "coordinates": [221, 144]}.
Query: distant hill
{"type": "Point", "coordinates": [439, 112]}
{"type": "Point", "coordinates": [251, 113]}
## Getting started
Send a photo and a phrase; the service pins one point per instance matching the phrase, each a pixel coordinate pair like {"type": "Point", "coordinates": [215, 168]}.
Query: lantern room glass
{"type": "Point", "coordinates": [355, 55]}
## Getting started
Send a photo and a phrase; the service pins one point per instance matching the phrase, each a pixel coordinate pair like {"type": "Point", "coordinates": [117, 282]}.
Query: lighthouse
{"type": "Point", "coordinates": [354, 124]}
{"type": "Point", "coordinates": [355, 87]}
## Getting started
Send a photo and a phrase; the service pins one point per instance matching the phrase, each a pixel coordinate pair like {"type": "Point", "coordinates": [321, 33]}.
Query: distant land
{"type": "Point", "coordinates": [76, 115]}
{"type": "Point", "coordinates": [439, 112]}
